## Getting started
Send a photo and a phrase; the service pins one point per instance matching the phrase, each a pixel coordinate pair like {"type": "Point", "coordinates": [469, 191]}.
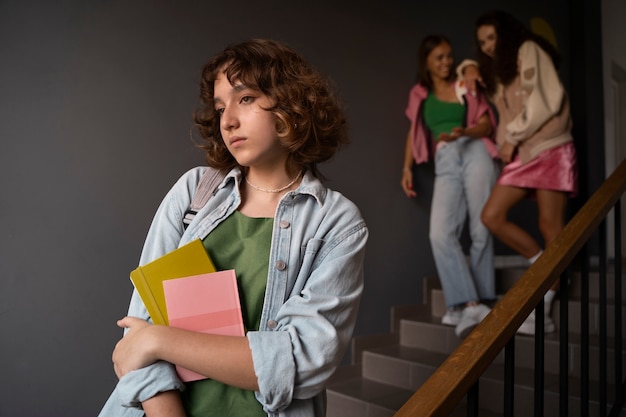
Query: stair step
{"type": "Point", "coordinates": [361, 397]}
{"type": "Point", "coordinates": [401, 366]}
{"type": "Point", "coordinates": [430, 336]}
{"type": "Point", "coordinates": [369, 396]}
{"type": "Point", "coordinates": [438, 309]}
{"type": "Point", "coordinates": [391, 367]}
{"type": "Point", "coordinates": [409, 368]}
{"type": "Point", "coordinates": [491, 392]}
{"type": "Point", "coordinates": [424, 331]}
{"type": "Point", "coordinates": [510, 269]}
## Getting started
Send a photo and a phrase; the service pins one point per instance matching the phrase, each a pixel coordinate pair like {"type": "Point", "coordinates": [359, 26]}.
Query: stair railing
{"type": "Point", "coordinates": [459, 374]}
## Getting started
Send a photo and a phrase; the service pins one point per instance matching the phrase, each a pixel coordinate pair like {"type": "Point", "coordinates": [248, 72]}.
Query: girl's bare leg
{"type": "Point", "coordinates": [551, 206]}
{"type": "Point", "coordinates": [495, 217]}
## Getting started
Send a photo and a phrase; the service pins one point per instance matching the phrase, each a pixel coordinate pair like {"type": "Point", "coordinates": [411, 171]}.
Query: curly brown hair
{"type": "Point", "coordinates": [511, 34]}
{"type": "Point", "coordinates": [310, 121]}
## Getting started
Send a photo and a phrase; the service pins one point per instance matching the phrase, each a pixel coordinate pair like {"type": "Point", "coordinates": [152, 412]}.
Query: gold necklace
{"type": "Point", "coordinates": [274, 190]}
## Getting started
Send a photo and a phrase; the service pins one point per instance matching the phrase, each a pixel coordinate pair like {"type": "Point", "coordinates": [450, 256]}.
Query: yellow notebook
{"type": "Point", "coordinates": [190, 259]}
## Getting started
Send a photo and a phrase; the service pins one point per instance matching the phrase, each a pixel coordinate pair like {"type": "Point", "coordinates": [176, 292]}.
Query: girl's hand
{"type": "Point", "coordinates": [506, 152]}
{"type": "Point", "coordinates": [134, 350]}
{"type": "Point", "coordinates": [407, 183]}
{"type": "Point", "coordinates": [445, 137]}
{"type": "Point", "coordinates": [456, 133]}
{"type": "Point", "coordinates": [471, 76]}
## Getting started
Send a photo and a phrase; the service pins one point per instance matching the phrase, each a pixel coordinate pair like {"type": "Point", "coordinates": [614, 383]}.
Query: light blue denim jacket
{"type": "Point", "coordinates": [314, 286]}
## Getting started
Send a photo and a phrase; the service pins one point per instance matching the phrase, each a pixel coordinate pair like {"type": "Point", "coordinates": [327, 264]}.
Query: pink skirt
{"type": "Point", "coordinates": [555, 169]}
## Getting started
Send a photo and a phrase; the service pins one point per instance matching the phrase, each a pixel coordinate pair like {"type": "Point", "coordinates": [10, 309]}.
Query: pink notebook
{"type": "Point", "coordinates": [207, 303]}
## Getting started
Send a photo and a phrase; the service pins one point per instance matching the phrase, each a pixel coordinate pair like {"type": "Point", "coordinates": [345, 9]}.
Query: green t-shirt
{"type": "Point", "coordinates": [241, 243]}
{"type": "Point", "coordinates": [442, 116]}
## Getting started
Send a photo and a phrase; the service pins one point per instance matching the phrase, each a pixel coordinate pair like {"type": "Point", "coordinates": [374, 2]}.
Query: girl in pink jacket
{"type": "Point", "coordinates": [454, 129]}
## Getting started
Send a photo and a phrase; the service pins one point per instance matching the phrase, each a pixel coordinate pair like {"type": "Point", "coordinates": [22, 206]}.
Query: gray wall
{"type": "Point", "coordinates": [95, 108]}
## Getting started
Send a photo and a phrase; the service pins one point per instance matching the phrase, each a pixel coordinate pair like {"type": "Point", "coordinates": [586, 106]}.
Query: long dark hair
{"type": "Point", "coordinates": [429, 43]}
{"type": "Point", "coordinates": [511, 34]}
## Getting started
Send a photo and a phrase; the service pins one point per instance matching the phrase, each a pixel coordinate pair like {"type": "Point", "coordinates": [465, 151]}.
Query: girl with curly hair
{"type": "Point", "coordinates": [519, 72]}
{"type": "Point", "coordinates": [268, 119]}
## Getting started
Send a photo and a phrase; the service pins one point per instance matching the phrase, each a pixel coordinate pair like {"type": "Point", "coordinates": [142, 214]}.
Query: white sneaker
{"type": "Point", "coordinates": [528, 327]}
{"type": "Point", "coordinates": [452, 317]}
{"type": "Point", "coordinates": [470, 317]}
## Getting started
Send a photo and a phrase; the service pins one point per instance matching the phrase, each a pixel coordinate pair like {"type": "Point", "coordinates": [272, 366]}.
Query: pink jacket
{"type": "Point", "coordinates": [423, 143]}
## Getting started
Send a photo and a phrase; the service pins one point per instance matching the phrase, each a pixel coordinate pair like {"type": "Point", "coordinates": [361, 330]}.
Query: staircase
{"type": "Point", "coordinates": [388, 368]}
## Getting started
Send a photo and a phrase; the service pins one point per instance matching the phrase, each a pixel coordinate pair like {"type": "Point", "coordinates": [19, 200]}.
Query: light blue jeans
{"type": "Point", "coordinates": [464, 176]}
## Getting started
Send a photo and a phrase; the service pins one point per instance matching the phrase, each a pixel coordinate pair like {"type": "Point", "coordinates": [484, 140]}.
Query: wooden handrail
{"type": "Point", "coordinates": [442, 392]}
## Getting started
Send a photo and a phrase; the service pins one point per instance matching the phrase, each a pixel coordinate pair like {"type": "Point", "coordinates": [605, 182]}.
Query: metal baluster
{"type": "Point", "coordinates": [603, 347]}
{"type": "Point", "coordinates": [472, 401]}
{"type": "Point", "coordinates": [539, 359]}
{"type": "Point", "coordinates": [509, 377]}
{"type": "Point", "coordinates": [619, 391]}
{"type": "Point", "coordinates": [584, 335]}
{"type": "Point", "coordinates": [564, 345]}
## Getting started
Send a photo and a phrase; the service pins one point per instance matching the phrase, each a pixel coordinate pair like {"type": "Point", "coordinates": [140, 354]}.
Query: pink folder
{"type": "Point", "coordinates": [207, 303]}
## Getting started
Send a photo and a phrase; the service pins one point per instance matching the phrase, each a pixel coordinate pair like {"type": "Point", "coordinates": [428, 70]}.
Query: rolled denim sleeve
{"type": "Point", "coordinates": [137, 386]}
{"type": "Point", "coordinates": [143, 384]}
{"type": "Point", "coordinates": [165, 234]}
{"type": "Point", "coordinates": [113, 408]}
{"type": "Point", "coordinates": [299, 346]}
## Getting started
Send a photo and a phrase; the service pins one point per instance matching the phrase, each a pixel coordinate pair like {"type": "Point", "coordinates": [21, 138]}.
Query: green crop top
{"type": "Point", "coordinates": [442, 116]}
